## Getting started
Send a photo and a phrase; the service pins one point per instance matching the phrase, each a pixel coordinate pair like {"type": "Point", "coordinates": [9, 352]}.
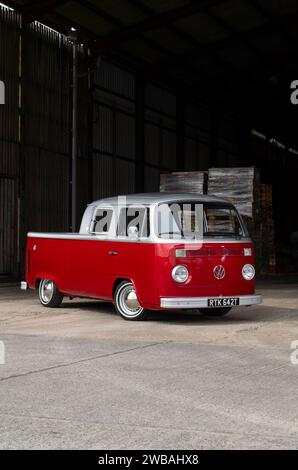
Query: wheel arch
{"type": "Point", "coordinates": [40, 276]}
{"type": "Point", "coordinates": [118, 281]}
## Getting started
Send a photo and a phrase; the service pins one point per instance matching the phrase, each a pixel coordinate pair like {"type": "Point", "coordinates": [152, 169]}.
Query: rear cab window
{"type": "Point", "coordinates": [101, 221]}
{"type": "Point", "coordinates": [133, 216]}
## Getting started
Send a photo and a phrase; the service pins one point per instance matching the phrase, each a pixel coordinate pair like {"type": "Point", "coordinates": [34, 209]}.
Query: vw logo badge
{"type": "Point", "coordinates": [219, 272]}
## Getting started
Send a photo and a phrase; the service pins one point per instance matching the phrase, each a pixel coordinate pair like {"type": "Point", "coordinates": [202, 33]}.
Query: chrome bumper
{"type": "Point", "coordinates": [202, 302]}
{"type": "Point", "coordinates": [24, 285]}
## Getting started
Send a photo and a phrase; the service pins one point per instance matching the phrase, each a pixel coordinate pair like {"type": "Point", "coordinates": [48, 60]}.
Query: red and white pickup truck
{"type": "Point", "coordinates": [148, 252]}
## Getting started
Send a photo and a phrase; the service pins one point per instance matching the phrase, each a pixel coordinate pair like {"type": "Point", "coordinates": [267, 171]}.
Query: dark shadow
{"type": "Point", "coordinates": [273, 280]}
{"type": "Point", "coordinates": [235, 316]}
{"type": "Point", "coordinates": [90, 305]}
{"type": "Point", "coordinates": [238, 315]}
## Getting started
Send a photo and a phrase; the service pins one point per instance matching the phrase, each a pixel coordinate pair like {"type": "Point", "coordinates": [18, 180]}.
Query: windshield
{"type": "Point", "coordinates": [221, 221]}
{"type": "Point", "coordinates": [196, 220]}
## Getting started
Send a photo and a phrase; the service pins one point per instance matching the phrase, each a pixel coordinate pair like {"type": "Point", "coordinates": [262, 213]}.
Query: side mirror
{"type": "Point", "coordinates": [133, 232]}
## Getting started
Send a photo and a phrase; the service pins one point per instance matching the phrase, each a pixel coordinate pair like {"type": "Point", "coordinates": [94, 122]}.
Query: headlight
{"type": "Point", "coordinates": [248, 272]}
{"type": "Point", "coordinates": [180, 274]}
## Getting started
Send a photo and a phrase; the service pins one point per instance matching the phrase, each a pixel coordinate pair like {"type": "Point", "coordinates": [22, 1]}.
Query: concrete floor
{"type": "Point", "coordinates": [81, 377]}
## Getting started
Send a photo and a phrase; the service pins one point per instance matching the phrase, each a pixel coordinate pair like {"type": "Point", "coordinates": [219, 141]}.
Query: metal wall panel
{"type": "Point", "coordinates": [9, 158]}
{"type": "Point", "coordinates": [197, 116]}
{"type": "Point", "coordinates": [191, 154]}
{"type": "Point", "coordinates": [114, 135]}
{"type": "Point", "coordinates": [152, 151]}
{"type": "Point", "coordinates": [169, 149]}
{"type": "Point", "coordinates": [46, 191]}
{"type": "Point", "coordinates": [46, 68]}
{"type": "Point", "coordinates": [113, 130]}
{"type": "Point", "coordinates": [196, 148]}
{"type": "Point", "coordinates": [9, 73]}
{"type": "Point", "coordinates": [8, 227]}
{"type": "Point", "coordinates": [9, 143]}
{"type": "Point", "coordinates": [125, 135]}
{"type": "Point", "coordinates": [227, 142]}
{"type": "Point", "coordinates": [46, 106]}
{"type": "Point", "coordinates": [160, 99]}
{"type": "Point", "coordinates": [152, 176]}
{"type": "Point", "coordinates": [111, 176]}
{"type": "Point", "coordinates": [115, 79]}
{"type": "Point", "coordinates": [103, 128]}
{"type": "Point", "coordinates": [160, 128]}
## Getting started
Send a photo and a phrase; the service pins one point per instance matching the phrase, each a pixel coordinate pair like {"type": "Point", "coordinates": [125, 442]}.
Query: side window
{"type": "Point", "coordinates": [101, 221]}
{"type": "Point", "coordinates": [133, 217]}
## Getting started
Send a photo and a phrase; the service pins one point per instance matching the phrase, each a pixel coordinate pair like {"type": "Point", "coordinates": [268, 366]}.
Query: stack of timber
{"type": "Point", "coordinates": [184, 182]}
{"type": "Point", "coordinates": [241, 187]}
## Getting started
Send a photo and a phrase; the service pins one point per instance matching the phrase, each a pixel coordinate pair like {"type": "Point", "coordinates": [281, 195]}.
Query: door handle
{"type": "Point", "coordinates": [113, 253]}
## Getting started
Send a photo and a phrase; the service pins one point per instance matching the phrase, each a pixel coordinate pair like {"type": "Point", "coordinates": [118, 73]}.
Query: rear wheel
{"type": "Point", "coordinates": [126, 302]}
{"type": "Point", "coordinates": [49, 295]}
{"type": "Point", "coordinates": [215, 312]}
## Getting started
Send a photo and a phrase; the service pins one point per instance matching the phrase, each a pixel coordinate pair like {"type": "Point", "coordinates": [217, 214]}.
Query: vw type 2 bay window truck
{"type": "Point", "coordinates": [147, 252]}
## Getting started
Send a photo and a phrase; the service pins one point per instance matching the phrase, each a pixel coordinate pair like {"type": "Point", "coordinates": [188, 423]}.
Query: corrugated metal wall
{"type": "Point", "coordinates": [8, 227]}
{"type": "Point", "coordinates": [228, 154]}
{"type": "Point", "coordinates": [46, 104]}
{"type": "Point", "coordinates": [160, 134]}
{"type": "Point", "coordinates": [115, 156]}
{"type": "Point", "coordinates": [114, 137]}
{"type": "Point", "coordinates": [9, 143]}
{"type": "Point", "coordinates": [196, 137]}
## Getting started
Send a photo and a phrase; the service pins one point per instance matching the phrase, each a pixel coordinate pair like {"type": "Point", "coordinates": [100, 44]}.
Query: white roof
{"type": "Point", "coordinates": [155, 198]}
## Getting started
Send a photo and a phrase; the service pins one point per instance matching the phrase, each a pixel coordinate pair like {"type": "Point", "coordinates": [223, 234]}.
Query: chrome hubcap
{"type": "Point", "coordinates": [131, 300]}
{"type": "Point", "coordinates": [128, 301]}
{"type": "Point", "coordinates": [46, 290]}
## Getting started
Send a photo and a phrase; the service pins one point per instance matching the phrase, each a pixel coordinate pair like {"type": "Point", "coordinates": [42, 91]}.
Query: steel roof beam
{"type": "Point", "coordinates": [280, 26]}
{"type": "Point", "coordinates": [194, 43]}
{"type": "Point", "coordinates": [268, 26]}
{"type": "Point", "coordinates": [152, 44]}
{"type": "Point", "coordinates": [117, 38]}
{"type": "Point", "coordinates": [37, 10]}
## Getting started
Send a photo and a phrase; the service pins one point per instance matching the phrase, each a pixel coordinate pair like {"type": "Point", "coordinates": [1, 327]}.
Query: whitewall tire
{"type": "Point", "coordinates": [49, 294]}
{"type": "Point", "coordinates": [126, 302]}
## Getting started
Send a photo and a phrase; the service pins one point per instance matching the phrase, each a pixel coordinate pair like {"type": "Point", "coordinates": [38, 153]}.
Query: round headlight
{"type": "Point", "coordinates": [248, 272]}
{"type": "Point", "coordinates": [180, 273]}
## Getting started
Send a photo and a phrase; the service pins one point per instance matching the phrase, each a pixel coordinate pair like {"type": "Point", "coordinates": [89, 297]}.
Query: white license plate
{"type": "Point", "coordinates": [223, 302]}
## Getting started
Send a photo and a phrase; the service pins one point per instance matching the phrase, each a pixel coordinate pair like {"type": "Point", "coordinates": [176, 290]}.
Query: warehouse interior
{"type": "Point", "coordinates": [163, 86]}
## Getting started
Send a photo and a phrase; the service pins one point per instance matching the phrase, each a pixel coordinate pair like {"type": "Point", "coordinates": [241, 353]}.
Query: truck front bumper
{"type": "Point", "coordinates": [202, 302]}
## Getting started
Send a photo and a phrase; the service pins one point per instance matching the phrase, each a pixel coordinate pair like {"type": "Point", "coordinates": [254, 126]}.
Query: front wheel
{"type": "Point", "coordinates": [215, 312]}
{"type": "Point", "coordinates": [49, 295]}
{"type": "Point", "coordinates": [126, 302]}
